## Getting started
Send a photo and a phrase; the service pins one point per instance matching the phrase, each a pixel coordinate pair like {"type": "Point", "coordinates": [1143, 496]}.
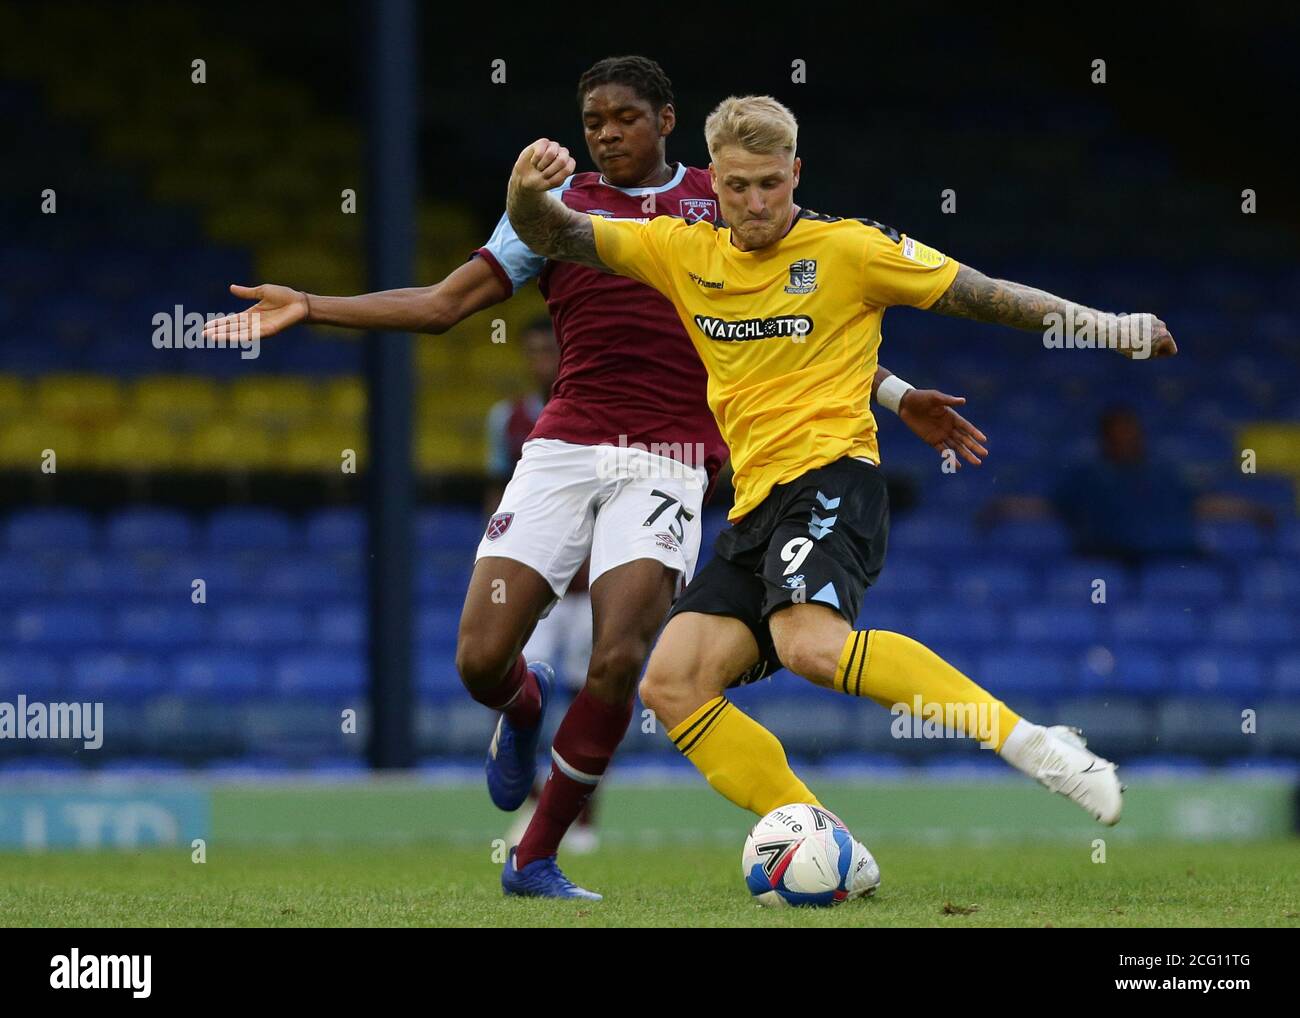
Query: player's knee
{"type": "Point", "coordinates": [805, 654]}
{"type": "Point", "coordinates": [613, 670]}
{"type": "Point", "coordinates": [661, 694]}
{"type": "Point", "coordinates": [481, 662]}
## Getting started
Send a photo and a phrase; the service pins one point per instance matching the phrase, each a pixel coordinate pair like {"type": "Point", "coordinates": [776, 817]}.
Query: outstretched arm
{"type": "Point", "coordinates": [974, 295]}
{"type": "Point", "coordinates": [544, 224]}
{"type": "Point", "coordinates": [428, 309]}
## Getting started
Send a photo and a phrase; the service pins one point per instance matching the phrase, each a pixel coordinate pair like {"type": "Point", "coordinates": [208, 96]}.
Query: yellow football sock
{"type": "Point", "coordinates": [895, 669]}
{"type": "Point", "coordinates": [740, 758]}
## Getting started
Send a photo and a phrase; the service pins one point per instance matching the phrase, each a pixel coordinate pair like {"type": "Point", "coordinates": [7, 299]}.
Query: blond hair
{"type": "Point", "coordinates": [757, 123]}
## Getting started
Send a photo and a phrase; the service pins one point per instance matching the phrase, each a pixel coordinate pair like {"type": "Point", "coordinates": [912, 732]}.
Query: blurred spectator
{"type": "Point", "coordinates": [1125, 505]}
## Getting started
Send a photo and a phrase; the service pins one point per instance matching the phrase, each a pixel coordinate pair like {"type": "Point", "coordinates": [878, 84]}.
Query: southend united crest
{"type": "Point", "coordinates": [498, 525]}
{"type": "Point", "coordinates": [699, 210]}
{"type": "Point", "coordinates": [803, 276]}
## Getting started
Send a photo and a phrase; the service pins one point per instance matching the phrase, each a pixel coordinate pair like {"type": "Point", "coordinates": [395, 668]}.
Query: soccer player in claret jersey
{"type": "Point", "coordinates": [784, 308]}
{"type": "Point", "coordinates": [615, 470]}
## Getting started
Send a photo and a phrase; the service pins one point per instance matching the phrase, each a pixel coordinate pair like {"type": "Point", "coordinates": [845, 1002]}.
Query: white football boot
{"type": "Point", "coordinates": [1058, 759]}
{"type": "Point", "coordinates": [865, 875]}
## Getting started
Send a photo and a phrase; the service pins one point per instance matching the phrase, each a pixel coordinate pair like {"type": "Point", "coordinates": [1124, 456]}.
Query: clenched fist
{"type": "Point", "coordinates": [542, 165]}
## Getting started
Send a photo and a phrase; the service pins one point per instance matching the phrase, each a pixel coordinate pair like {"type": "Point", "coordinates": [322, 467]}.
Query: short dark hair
{"type": "Point", "coordinates": [641, 74]}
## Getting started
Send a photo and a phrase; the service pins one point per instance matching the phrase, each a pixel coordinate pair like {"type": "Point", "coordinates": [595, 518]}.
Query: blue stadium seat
{"type": "Point", "coordinates": [116, 676]}
{"type": "Point", "coordinates": [1156, 624]}
{"type": "Point", "coordinates": [336, 529]}
{"type": "Point", "coordinates": [160, 625]}
{"type": "Point", "coordinates": [1232, 538]}
{"type": "Point", "coordinates": [1184, 583]}
{"type": "Point", "coordinates": [1255, 627]}
{"type": "Point", "coordinates": [50, 530]}
{"type": "Point", "coordinates": [1012, 672]}
{"type": "Point", "coordinates": [1062, 627]}
{"type": "Point", "coordinates": [250, 530]}
{"type": "Point", "coordinates": [443, 528]}
{"type": "Point", "coordinates": [60, 624]}
{"type": "Point", "coordinates": [225, 578]}
{"type": "Point", "coordinates": [930, 531]}
{"type": "Point", "coordinates": [260, 625]}
{"type": "Point", "coordinates": [25, 576]}
{"type": "Point", "coordinates": [151, 529]}
{"type": "Point", "coordinates": [320, 674]}
{"type": "Point", "coordinates": [221, 674]}
{"type": "Point", "coordinates": [1286, 675]}
{"type": "Point", "coordinates": [436, 678]}
{"type": "Point", "coordinates": [1228, 672]}
{"type": "Point", "coordinates": [40, 676]}
{"type": "Point", "coordinates": [308, 578]}
{"type": "Point", "coordinates": [1074, 582]}
{"type": "Point", "coordinates": [957, 625]}
{"type": "Point", "coordinates": [341, 624]}
{"type": "Point", "coordinates": [436, 627]}
{"type": "Point", "coordinates": [1128, 670]}
{"type": "Point", "coordinates": [994, 583]}
{"type": "Point", "coordinates": [1043, 538]}
{"type": "Point", "coordinates": [1270, 581]}
{"type": "Point", "coordinates": [110, 575]}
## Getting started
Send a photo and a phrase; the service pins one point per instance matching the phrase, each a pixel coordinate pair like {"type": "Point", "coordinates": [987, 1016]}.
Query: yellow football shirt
{"type": "Point", "coordinates": [789, 334]}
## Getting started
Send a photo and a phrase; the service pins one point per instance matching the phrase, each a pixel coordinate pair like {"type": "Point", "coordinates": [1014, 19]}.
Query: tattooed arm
{"type": "Point", "coordinates": [544, 224]}
{"type": "Point", "coordinates": [974, 295]}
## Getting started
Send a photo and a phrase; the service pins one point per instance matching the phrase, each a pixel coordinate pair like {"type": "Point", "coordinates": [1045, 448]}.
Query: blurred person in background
{"type": "Point", "coordinates": [562, 637]}
{"type": "Point", "coordinates": [1123, 504]}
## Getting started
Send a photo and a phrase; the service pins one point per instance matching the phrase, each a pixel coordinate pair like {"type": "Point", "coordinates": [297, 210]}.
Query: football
{"type": "Point", "coordinates": [803, 855]}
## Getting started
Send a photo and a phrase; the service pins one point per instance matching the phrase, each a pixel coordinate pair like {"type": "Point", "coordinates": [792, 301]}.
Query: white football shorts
{"type": "Point", "coordinates": [566, 502]}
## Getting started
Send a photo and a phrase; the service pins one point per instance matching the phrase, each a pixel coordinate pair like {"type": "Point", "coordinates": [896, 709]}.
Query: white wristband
{"type": "Point", "coordinates": [891, 391]}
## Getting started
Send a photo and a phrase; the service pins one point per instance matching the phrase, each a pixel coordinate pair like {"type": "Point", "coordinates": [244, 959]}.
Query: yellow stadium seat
{"type": "Point", "coordinates": [23, 445]}
{"type": "Point", "coordinates": [268, 399]}
{"type": "Point", "coordinates": [1276, 446]}
{"type": "Point", "coordinates": [321, 450]}
{"type": "Point", "coordinates": [93, 399]}
{"type": "Point", "coordinates": [345, 400]}
{"type": "Point", "coordinates": [229, 447]}
{"type": "Point", "coordinates": [13, 396]}
{"type": "Point", "coordinates": [177, 400]}
{"type": "Point", "coordinates": [135, 446]}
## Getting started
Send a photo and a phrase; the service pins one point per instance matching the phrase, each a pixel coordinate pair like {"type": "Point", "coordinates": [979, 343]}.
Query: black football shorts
{"type": "Point", "coordinates": [818, 539]}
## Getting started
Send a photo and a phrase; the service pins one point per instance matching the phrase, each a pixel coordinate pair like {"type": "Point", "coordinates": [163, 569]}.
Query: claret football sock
{"type": "Point", "coordinates": [893, 669]}
{"type": "Point", "coordinates": [518, 697]}
{"type": "Point", "coordinates": [740, 758]}
{"type": "Point", "coordinates": [585, 742]}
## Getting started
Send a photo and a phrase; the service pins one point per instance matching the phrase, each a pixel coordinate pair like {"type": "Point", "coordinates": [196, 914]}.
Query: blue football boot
{"type": "Point", "coordinates": [541, 878]}
{"type": "Point", "coordinates": [512, 755]}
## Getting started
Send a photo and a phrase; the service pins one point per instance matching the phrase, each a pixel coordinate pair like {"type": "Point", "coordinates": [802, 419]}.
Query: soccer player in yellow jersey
{"type": "Point", "coordinates": [784, 307]}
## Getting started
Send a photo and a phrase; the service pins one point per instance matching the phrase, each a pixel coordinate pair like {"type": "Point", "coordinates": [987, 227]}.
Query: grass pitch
{"type": "Point", "coordinates": [1140, 884]}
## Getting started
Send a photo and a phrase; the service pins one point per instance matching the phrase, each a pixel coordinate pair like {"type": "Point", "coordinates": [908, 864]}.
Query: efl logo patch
{"type": "Point", "coordinates": [699, 210]}
{"type": "Point", "coordinates": [918, 252]}
{"type": "Point", "coordinates": [803, 276]}
{"type": "Point", "coordinates": [498, 525]}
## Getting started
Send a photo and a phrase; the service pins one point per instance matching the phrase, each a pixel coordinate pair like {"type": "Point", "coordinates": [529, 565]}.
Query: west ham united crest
{"type": "Point", "coordinates": [498, 525]}
{"type": "Point", "coordinates": [803, 276]}
{"type": "Point", "coordinates": [699, 210]}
